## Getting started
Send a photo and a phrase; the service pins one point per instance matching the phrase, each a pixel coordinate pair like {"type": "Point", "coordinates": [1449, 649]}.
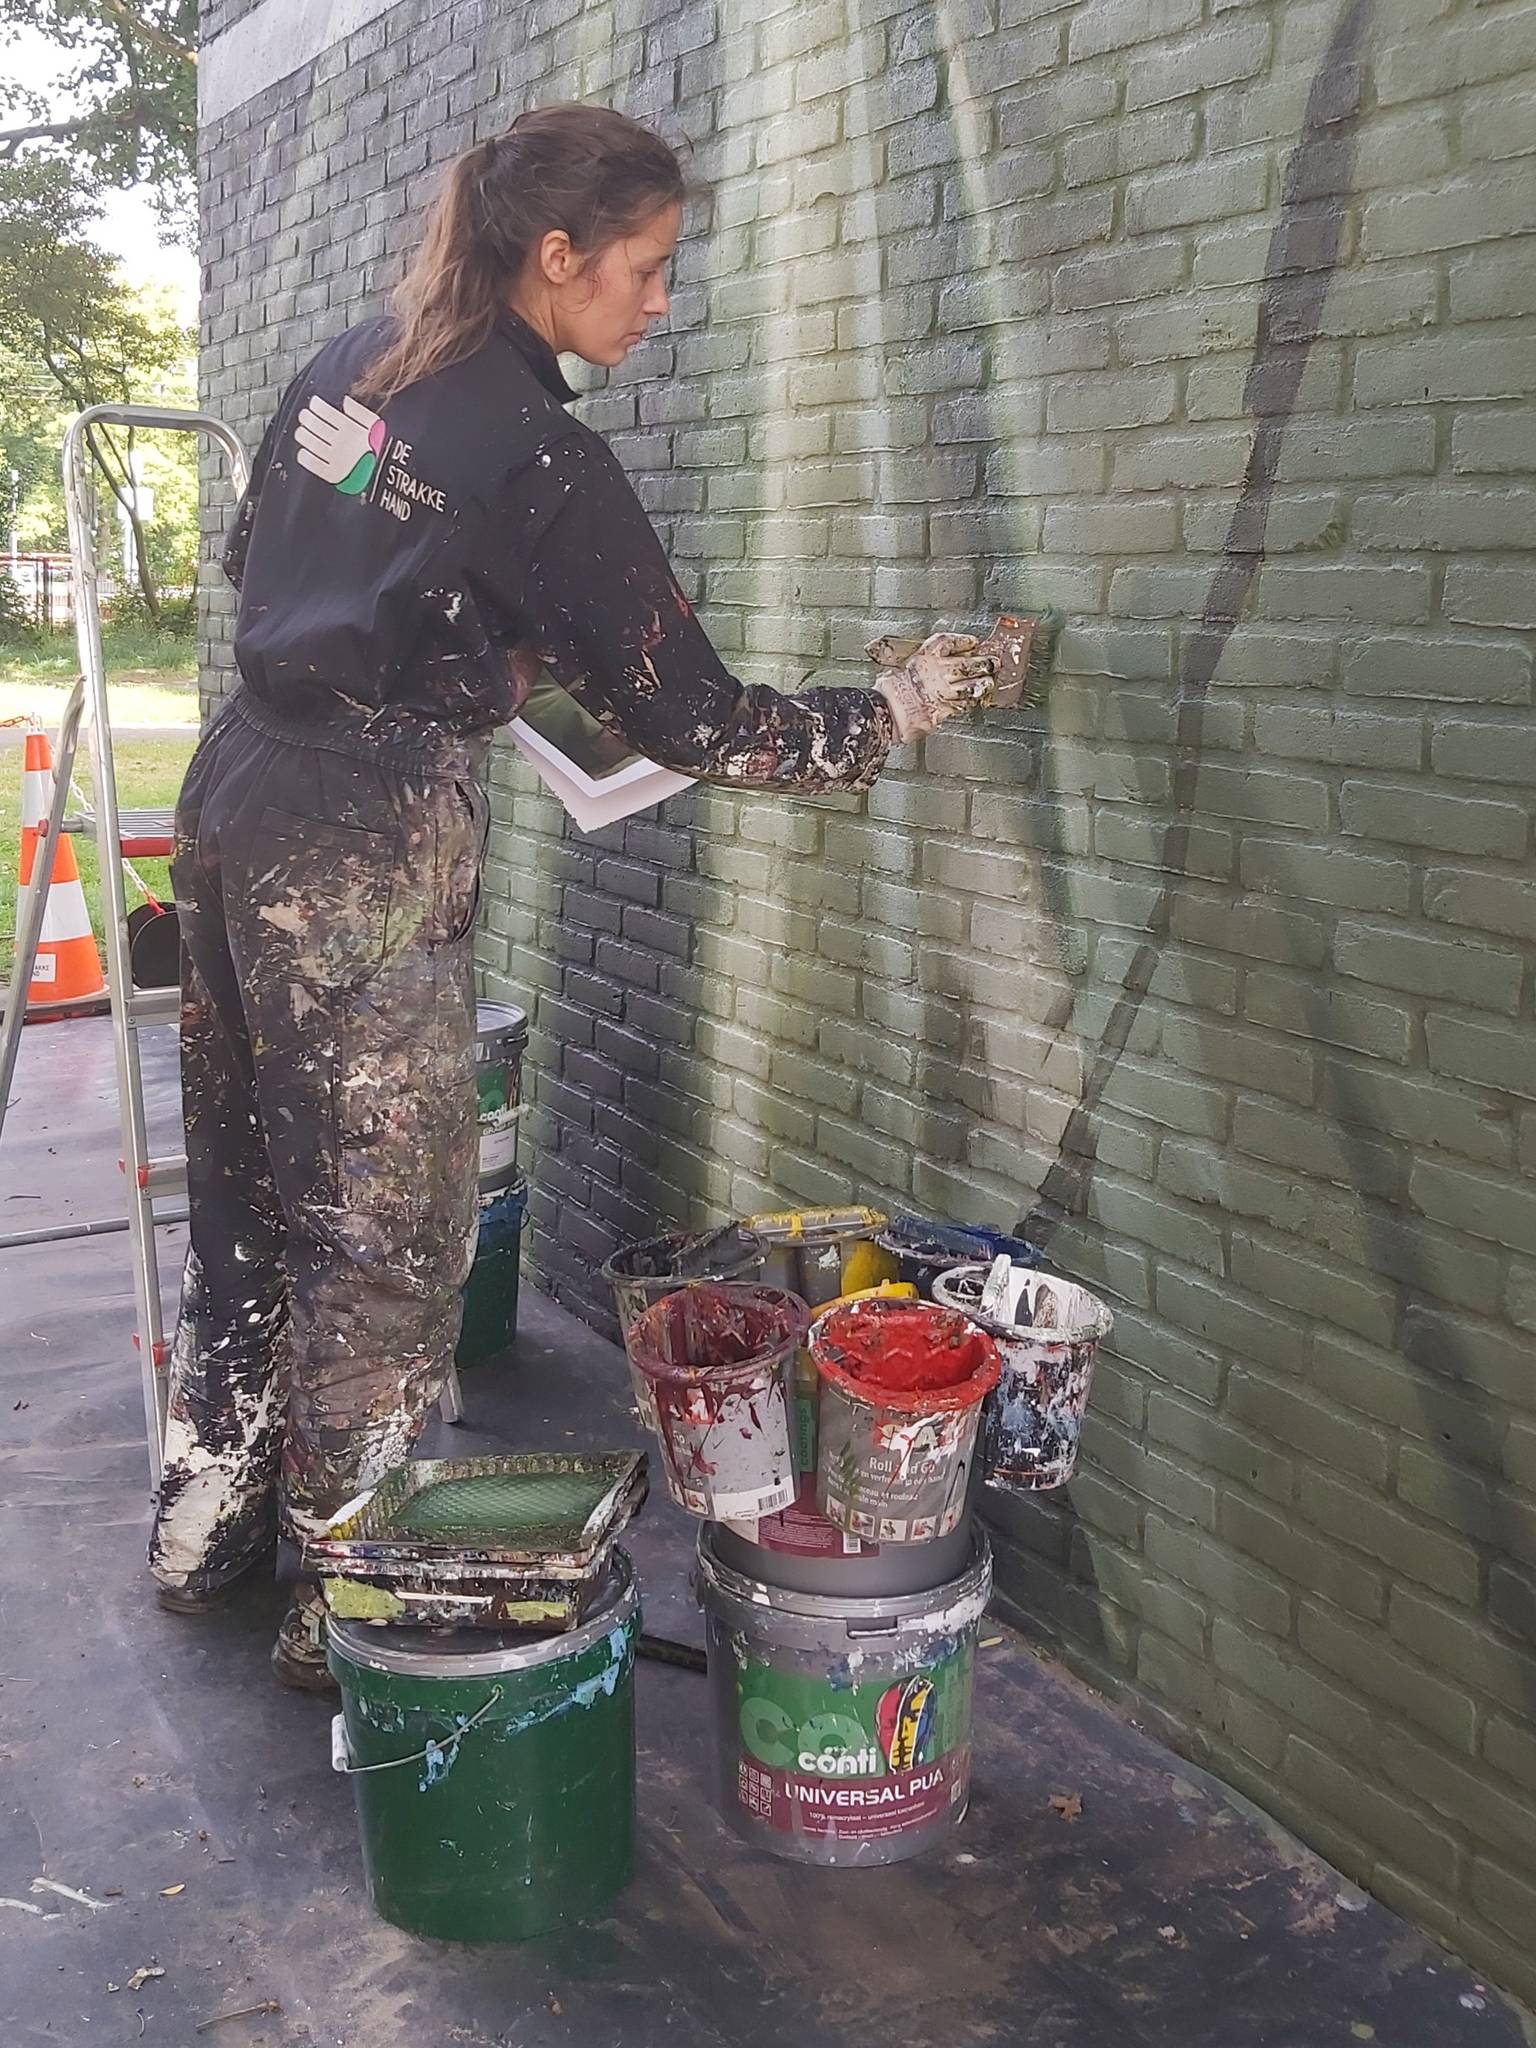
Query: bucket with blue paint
{"type": "Point", "coordinates": [494, 1771]}
{"type": "Point", "coordinates": [922, 1248]}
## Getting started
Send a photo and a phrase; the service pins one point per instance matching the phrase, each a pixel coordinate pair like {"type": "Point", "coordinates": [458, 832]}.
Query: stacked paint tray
{"type": "Point", "coordinates": [522, 1541]}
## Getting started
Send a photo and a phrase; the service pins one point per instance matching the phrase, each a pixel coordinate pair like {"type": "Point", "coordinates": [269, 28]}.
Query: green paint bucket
{"type": "Point", "coordinates": [490, 1293]}
{"type": "Point", "coordinates": [494, 1771]}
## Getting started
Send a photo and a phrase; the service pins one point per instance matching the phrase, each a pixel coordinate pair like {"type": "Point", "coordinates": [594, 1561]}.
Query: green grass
{"type": "Point", "coordinates": [149, 774]}
{"type": "Point", "coordinates": [136, 654]}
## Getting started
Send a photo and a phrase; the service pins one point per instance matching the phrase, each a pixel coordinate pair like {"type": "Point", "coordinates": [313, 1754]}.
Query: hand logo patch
{"type": "Point", "coordinates": [340, 447]}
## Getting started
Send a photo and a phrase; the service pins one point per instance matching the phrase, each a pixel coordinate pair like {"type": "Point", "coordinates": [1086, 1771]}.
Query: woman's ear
{"type": "Point", "coordinates": [558, 261]}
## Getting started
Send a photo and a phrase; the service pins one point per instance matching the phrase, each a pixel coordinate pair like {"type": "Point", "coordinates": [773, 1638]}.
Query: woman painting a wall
{"type": "Point", "coordinates": [426, 526]}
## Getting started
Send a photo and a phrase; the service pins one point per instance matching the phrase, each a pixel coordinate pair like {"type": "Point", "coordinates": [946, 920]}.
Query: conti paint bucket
{"type": "Point", "coordinates": [490, 1292]}
{"type": "Point", "coordinates": [842, 1726]}
{"type": "Point", "coordinates": [718, 1360]}
{"type": "Point", "coordinates": [501, 1034]}
{"type": "Point", "coordinates": [494, 1771]}
{"type": "Point", "coordinates": [1033, 1419]}
{"type": "Point", "coordinates": [902, 1385]}
{"type": "Point", "coordinates": [920, 1249]}
{"type": "Point", "coordinates": [821, 1254]}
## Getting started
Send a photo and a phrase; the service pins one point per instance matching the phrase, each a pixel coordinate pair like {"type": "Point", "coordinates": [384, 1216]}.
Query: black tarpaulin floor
{"type": "Point", "coordinates": [140, 1752]}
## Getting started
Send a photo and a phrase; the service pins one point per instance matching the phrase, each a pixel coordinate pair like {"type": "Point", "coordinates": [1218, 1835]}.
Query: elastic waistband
{"type": "Point", "coordinates": [425, 747]}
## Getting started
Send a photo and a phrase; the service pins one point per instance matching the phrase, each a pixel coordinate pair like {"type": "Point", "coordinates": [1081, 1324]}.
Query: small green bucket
{"type": "Point", "coordinates": [490, 1292]}
{"type": "Point", "coordinates": [494, 1771]}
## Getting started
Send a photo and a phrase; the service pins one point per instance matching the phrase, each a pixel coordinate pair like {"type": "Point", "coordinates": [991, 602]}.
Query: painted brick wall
{"type": "Point", "coordinates": [1212, 322]}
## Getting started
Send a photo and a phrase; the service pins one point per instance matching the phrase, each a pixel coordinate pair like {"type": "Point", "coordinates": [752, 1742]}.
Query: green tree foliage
{"type": "Point", "coordinates": [65, 310]}
{"type": "Point", "coordinates": [130, 80]}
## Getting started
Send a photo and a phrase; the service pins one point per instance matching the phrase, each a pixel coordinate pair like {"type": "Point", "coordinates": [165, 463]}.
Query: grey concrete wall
{"type": "Point", "coordinates": [1214, 325]}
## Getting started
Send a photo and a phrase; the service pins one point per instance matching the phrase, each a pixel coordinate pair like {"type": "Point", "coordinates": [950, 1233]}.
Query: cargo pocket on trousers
{"type": "Point", "coordinates": [319, 895]}
{"type": "Point", "coordinates": [461, 843]}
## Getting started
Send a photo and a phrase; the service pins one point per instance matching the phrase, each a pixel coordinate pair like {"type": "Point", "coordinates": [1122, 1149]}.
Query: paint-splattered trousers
{"type": "Point", "coordinates": [326, 882]}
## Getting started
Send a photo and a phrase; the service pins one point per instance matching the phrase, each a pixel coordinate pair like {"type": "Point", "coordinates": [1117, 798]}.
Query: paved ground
{"type": "Point", "coordinates": [140, 1753]}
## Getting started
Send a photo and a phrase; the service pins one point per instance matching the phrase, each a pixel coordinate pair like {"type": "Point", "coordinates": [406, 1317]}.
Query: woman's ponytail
{"type": "Point", "coordinates": [591, 171]}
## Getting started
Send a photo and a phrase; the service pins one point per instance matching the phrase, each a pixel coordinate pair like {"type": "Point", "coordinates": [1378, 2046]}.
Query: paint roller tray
{"type": "Point", "coordinates": [527, 1515]}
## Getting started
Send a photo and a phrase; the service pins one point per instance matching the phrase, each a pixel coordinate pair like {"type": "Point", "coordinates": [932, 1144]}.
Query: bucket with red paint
{"type": "Point", "coordinates": [645, 1273]}
{"type": "Point", "coordinates": [902, 1387]}
{"type": "Point", "coordinates": [718, 1361]}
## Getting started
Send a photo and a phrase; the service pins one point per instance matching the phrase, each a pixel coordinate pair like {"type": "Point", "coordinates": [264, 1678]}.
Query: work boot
{"type": "Point", "coordinates": [298, 1655]}
{"type": "Point", "coordinates": [182, 1599]}
{"type": "Point", "coordinates": [187, 1600]}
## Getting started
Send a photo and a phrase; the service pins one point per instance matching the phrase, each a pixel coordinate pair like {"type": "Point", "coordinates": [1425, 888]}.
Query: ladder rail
{"type": "Point", "coordinates": [114, 903]}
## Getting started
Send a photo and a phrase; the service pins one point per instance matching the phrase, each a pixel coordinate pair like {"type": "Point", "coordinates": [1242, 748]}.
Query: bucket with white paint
{"type": "Point", "coordinates": [719, 1362]}
{"type": "Point", "coordinates": [494, 1771]}
{"type": "Point", "coordinates": [842, 1725]}
{"type": "Point", "coordinates": [1034, 1417]}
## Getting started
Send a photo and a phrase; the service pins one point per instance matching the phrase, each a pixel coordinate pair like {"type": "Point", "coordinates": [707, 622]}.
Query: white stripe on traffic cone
{"type": "Point", "coordinates": [67, 966]}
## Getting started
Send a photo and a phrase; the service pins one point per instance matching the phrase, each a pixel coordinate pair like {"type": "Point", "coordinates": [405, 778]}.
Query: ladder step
{"type": "Point", "coordinates": [141, 835]}
{"type": "Point", "coordinates": [154, 1005]}
{"type": "Point", "coordinates": [167, 1176]}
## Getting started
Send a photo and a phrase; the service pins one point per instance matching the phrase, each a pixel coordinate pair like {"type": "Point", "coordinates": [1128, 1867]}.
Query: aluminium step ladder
{"type": "Point", "coordinates": [156, 1187]}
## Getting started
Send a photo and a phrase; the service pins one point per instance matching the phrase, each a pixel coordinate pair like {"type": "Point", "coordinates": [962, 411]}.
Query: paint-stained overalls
{"type": "Point", "coordinates": [404, 569]}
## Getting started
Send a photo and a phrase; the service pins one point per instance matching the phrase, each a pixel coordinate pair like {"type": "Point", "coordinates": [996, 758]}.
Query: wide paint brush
{"type": "Point", "coordinates": [1020, 645]}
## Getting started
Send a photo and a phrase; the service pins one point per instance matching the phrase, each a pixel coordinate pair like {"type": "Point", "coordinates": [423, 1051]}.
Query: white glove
{"type": "Point", "coordinates": [944, 676]}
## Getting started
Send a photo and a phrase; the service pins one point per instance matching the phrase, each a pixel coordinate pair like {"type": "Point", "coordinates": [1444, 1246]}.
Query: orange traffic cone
{"type": "Point", "coordinates": [68, 966]}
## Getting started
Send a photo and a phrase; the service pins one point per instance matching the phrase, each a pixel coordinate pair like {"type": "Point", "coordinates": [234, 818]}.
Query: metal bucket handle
{"type": "Point", "coordinates": [341, 1755]}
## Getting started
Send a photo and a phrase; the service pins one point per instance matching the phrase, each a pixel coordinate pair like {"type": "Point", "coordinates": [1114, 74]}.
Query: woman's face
{"type": "Point", "coordinates": [599, 308]}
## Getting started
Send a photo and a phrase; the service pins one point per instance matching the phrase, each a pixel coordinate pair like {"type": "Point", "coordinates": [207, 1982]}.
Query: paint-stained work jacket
{"type": "Point", "coordinates": [389, 564]}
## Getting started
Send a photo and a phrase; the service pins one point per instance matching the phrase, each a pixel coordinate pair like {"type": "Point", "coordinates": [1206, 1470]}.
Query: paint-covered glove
{"type": "Point", "coordinates": [944, 676]}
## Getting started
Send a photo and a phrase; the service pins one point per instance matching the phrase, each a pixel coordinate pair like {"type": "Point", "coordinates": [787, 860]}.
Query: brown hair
{"type": "Point", "coordinates": [589, 170]}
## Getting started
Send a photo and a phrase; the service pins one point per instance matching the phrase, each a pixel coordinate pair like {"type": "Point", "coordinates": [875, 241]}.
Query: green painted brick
{"type": "Point", "coordinates": [1224, 1578]}
{"type": "Point", "coordinates": [1505, 1820]}
{"type": "Point", "coordinates": [1407, 1544]}
{"type": "Point", "coordinates": [1489, 594]}
{"type": "Point", "coordinates": [1484, 976]}
{"type": "Point", "coordinates": [1274, 1537]}
{"type": "Point", "coordinates": [1413, 816]}
{"type": "Point", "coordinates": [1273, 1673]}
{"type": "Point", "coordinates": [1473, 1049]}
{"type": "Point", "coordinates": [1381, 1818]}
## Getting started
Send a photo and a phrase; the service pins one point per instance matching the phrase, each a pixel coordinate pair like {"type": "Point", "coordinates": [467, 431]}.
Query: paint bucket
{"type": "Point", "coordinates": [644, 1273]}
{"type": "Point", "coordinates": [490, 1293]}
{"type": "Point", "coordinates": [902, 1385]}
{"type": "Point", "coordinates": [821, 1254]}
{"type": "Point", "coordinates": [799, 1548]}
{"type": "Point", "coordinates": [1033, 1419]}
{"type": "Point", "coordinates": [501, 1035]}
{"type": "Point", "coordinates": [719, 1359]}
{"type": "Point", "coordinates": [921, 1249]}
{"type": "Point", "coordinates": [842, 1726]}
{"type": "Point", "coordinates": [494, 1771]}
